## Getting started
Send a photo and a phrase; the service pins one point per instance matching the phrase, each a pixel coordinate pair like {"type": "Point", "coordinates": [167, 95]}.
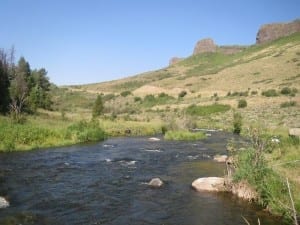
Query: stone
{"type": "Point", "coordinates": [204, 46]}
{"type": "Point", "coordinates": [220, 158]}
{"type": "Point", "coordinates": [295, 132]}
{"type": "Point", "coordinates": [270, 32]}
{"type": "Point", "coordinates": [156, 182]}
{"type": "Point", "coordinates": [154, 139]}
{"type": "Point", "coordinates": [3, 203]}
{"type": "Point", "coordinates": [209, 184]}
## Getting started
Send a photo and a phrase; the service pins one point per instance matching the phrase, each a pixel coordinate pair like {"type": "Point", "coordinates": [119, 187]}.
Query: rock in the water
{"type": "Point", "coordinates": [205, 45]}
{"type": "Point", "coordinates": [220, 158]}
{"type": "Point", "coordinates": [3, 203]}
{"type": "Point", "coordinates": [154, 139]}
{"type": "Point", "coordinates": [209, 184]}
{"type": "Point", "coordinates": [156, 182]}
{"type": "Point", "coordinates": [294, 132]}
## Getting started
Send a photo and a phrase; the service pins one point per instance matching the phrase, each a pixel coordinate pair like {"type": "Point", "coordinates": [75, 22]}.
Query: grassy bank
{"type": "Point", "coordinates": [266, 165]}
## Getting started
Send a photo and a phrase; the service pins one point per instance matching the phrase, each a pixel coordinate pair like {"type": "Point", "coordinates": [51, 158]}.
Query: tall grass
{"type": "Point", "coordinates": [184, 135]}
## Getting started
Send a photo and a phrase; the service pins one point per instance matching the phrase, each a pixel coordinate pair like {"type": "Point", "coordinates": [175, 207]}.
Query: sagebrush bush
{"type": "Point", "coordinates": [237, 123]}
{"type": "Point", "coordinates": [288, 104]}
{"type": "Point", "coordinates": [242, 103]}
{"type": "Point", "coordinates": [270, 93]}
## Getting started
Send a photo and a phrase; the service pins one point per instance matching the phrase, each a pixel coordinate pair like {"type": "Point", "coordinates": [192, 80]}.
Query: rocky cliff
{"type": "Point", "coordinates": [205, 45]}
{"type": "Point", "coordinates": [270, 32]}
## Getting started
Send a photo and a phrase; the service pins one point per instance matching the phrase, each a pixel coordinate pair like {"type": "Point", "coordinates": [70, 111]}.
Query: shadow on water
{"type": "Point", "coordinates": [105, 183]}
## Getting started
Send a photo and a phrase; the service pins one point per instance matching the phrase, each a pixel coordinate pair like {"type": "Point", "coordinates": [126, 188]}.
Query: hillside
{"type": "Point", "coordinates": [215, 77]}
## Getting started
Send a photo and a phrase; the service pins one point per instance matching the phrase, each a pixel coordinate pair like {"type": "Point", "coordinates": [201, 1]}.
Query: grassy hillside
{"type": "Point", "coordinates": [206, 79]}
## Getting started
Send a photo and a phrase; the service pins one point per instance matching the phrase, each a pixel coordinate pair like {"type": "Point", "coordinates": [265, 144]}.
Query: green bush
{"type": "Point", "coordinates": [182, 94]}
{"type": "Point", "coordinates": [242, 103]}
{"type": "Point", "coordinates": [288, 104]}
{"type": "Point", "coordinates": [84, 131]}
{"type": "Point", "coordinates": [237, 123]}
{"type": "Point", "coordinates": [195, 110]}
{"type": "Point", "coordinates": [270, 93]}
{"type": "Point", "coordinates": [125, 93]}
{"type": "Point", "coordinates": [184, 135]}
{"type": "Point", "coordinates": [286, 91]}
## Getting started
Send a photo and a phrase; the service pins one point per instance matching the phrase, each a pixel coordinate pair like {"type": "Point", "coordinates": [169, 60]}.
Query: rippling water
{"type": "Point", "coordinates": [105, 183]}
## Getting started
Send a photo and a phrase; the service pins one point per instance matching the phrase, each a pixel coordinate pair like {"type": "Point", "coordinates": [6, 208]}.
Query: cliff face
{"type": "Point", "coordinates": [270, 32]}
{"type": "Point", "coordinates": [205, 45]}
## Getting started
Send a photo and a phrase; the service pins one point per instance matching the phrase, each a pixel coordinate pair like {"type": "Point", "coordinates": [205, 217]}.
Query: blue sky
{"type": "Point", "coordinates": [87, 41]}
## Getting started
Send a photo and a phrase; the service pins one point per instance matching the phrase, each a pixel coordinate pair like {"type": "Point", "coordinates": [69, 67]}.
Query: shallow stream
{"type": "Point", "coordinates": [105, 183]}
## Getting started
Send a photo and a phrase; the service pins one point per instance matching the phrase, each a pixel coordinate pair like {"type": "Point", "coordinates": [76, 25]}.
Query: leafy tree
{"type": "Point", "coordinates": [98, 106]}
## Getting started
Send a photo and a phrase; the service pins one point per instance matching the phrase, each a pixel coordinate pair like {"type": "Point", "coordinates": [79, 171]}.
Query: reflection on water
{"type": "Point", "coordinates": [104, 183]}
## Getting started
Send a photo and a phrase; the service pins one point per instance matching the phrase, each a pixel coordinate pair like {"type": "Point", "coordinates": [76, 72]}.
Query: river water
{"type": "Point", "coordinates": [105, 183]}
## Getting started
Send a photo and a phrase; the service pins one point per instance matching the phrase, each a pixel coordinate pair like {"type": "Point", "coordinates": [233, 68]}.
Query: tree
{"type": "Point", "coordinates": [4, 82]}
{"type": "Point", "coordinates": [21, 84]}
{"type": "Point", "coordinates": [98, 106]}
{"type": "Point", "coordinates": [237, 123]}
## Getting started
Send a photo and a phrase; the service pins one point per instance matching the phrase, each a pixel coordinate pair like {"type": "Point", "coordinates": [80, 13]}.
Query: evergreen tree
{"type": "Point", "coordinates": [98, 106]}
{"type": "Point", "coordinates": [4, 83]}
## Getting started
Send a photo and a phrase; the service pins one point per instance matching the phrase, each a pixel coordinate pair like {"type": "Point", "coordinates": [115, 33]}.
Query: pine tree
{"type": "Point", "coordinates": [98, 106]}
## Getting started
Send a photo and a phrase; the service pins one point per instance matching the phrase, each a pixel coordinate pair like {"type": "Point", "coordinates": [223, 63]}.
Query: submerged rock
{"type": "Point", "coordinates": [3, 203]}
{"type": "Point", "coordinates": [209, 184]}
{"type": "Point", "coordinates": [156, 182]}
{"type": "Point", "coordinates": [154, 139]}
{"type": "Point", "coordinates": [220, 158]}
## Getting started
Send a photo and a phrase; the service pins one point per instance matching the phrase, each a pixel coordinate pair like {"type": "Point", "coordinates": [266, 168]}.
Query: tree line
{"type": "Point", "coordinates": [22, 90]}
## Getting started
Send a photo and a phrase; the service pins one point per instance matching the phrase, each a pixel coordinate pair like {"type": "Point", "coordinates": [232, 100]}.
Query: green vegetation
{"type": "Point", "coordinates": [257, 166]}
{"type": "Point", "coordinates": [161, 99]}
{"type": "Point", "coordinates": [184, 135]}
{"type": "Point", "coordinates": [98, 106]}
{"type": "Point", "coordinates": [125, 93]}
{"type": "Point", "coordinates": [37, 134]}
{"type": "Point", "coordinates": [288, 104]}
{"type": "Point", "coordinates": [207, 110]}
{"type": "Point", "coordinates": [242, 103]}
{"type": "Point", "coordinates": [237, 123]}
{"type": "Point", "coordinates": [270, 93]}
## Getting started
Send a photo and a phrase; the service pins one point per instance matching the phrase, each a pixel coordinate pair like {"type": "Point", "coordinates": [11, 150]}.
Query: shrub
{"type": "Point", "coordinates": [84, 131]}
{"type": "Point", "coordinates": [125, 93]}
{"type": "Point", "coordinates": [182, 94]}
{"type": "Point", "coordinates": [137, 99]}
{"type": "Point", "coordinates": [237, 123]}
{"type": "Point", "coordinates": [206, 110]}
{"type": "Point", "coordinates": [254, 92]}
{"type": "Point", "coordinates": [270, 93]}
{"type": "Point", "coordinates": [286, 91]}
{"type": "Point", "coordinates": [288, 104]}
{"type": "Point", "coordinates": [98, 106]}
{"type": "Point", "coordinates": [242, 103]}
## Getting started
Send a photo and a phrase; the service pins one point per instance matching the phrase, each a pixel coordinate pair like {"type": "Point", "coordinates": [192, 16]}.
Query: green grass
{"type": "Point", "coordinates": [207, 110]}
{"type": "Point", "coordinates": [184, 135]}
{"type": "Point", "coordinates": [32, 135]}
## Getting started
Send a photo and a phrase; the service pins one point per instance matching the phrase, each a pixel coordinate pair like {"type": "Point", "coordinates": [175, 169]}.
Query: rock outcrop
{"type": "Point", "coordinates": [175, 60]}
{"type": "Point", "coordinates": [270, 32]}
{"type": "Point", "coordinates": [209, 184]}
{"type": "Point", "coordinates": [156, 182]}
{"type": "Point", "coordinates": [294, 132]}
{"type": "Point", "coordinates": [3, 203]}
{"type": "Point", "coordinates": [205, 45]}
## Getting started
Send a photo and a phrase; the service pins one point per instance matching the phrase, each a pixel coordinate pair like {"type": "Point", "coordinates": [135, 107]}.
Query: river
{"type": "Point", "coordinates": [105, 183]}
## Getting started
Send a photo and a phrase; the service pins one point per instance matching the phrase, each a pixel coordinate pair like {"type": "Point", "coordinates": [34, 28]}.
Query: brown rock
{"type": "Point", "coordinates": [270, 32]}
{"type": "Point", "coordinates": [205, 45]}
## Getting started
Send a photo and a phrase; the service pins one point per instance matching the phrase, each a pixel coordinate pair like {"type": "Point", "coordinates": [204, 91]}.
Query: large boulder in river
{"type": "Point", "coordinates": [3, 203]}
{"type": "Point", "coordinates": [209, 184]}
{"type": "Point", "coordinates": [156, 182]}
